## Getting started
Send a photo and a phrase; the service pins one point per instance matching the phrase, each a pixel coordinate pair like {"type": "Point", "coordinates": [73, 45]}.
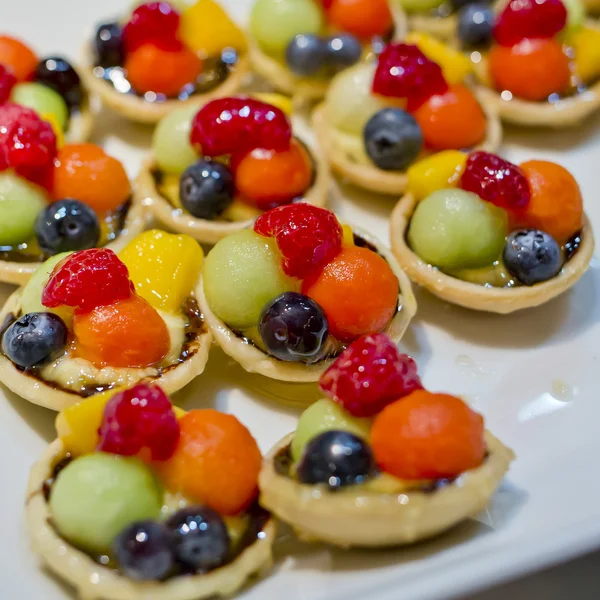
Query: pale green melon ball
{"type": "Point", "coordinates": [42, 99]}
{"type": "Point", "coordinates": [171, 141]}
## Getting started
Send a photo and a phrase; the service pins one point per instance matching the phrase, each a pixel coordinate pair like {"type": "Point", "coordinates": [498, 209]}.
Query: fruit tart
{"type": "Point", "coordinates": [50, 86]}
{"type": "Point", "coordinates": [483, 233]}
{"type": "Point", "coordinates": [89, 321]}
{"type": "Point", "coordinates": [381, 461]}
{"type": "Point", "coordinates": [214, 171]}
{"type": "Point", "coordinates": [381, 116]}
{"type": "Point", "coordinates": [538, 62]}
{"type": "Point", "coordinates": [286, 297]}
{"type": "Point", "coordinates": [57, 199]}
{"type": "Point", "coordinates": [298, 45]}
{"type": "Point", "coordinates": [165, 55]}
{"type": "Point", "coordinates": [139, 499]}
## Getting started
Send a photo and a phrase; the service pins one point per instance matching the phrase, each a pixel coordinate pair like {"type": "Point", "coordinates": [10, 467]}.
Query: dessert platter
{"type": "Point", "coordinates": [258, 348]}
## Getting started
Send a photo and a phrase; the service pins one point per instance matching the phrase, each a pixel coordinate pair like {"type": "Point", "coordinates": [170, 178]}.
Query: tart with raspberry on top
{"type": "Point", "coordinates": [486, 234]}
{"type": "Point", "coordinates": [138, 499]}
{"type": "Point", "coordinates": [49, 85]}
{"type": "Point", "coordinates": [213, 171]}
{"type": "Point", "coordinates": [287, 296]}
{"type": "Point", "coordinates": [381, 461]}
{"type": "Point", "coordinates": [538, 61]}
{"type": "Point", "coordinates": [299, 45]}
{"type": "Point", "coordinates": [165, 55]}
{"type": "Point", "coordinates": [90, 321]}
{"type": "Point", "coordinates": [380, 117]}
{"type": "Point", "coordinates": [57, 198]}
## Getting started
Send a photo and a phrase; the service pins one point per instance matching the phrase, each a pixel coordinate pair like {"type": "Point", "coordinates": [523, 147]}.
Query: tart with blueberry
{"type": "Point", "coordinates": [483, 233]}
{"type": "Point", "coordinates": [165, 55]}
{"type": "Point", "coordinates": [299, 45]}
{"type": "Point", "coordinates": [50, 86]}
{"type": "Point", "coordinates": [90, 321]}
{"type": "Point", "coordinates": [287, 296]}
{"type": "Point", "coordinates": [139, 499]}
{"type": "Point", "coordinates": [214, 171]}
{"type": "Point", "coordinates": [381, 461]}
{"type": "Point", "coordinates": [56, 199]}
{"type": "Point", "coordinates": [381, 116]}
{"type": "Point", "coordinates": [538, 62]}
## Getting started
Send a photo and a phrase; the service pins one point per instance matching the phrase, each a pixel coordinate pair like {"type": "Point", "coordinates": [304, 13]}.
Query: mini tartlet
{"type": "Point", "coordinates": [532, 254]}
{"type": "Point", "coordinates": [160, 59]}
{"type": "Point", "coordinates": [308, 76]}
{"type": "Point", "coordinates": [296, 172]}
{"type": "Point", "coordinates": [173, 525]}
{"type": "Point", "coordinates": [378, 118]}
{"type": "Point", "coordinates": [358, 471]}
{"type": "Point", "coordinates": [349, 287]}
{"type": "Point", "coordinates": [133, 324]}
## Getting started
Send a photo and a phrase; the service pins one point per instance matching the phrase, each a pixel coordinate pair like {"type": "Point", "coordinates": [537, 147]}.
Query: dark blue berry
{"type": "Point", "coordinates": [306, 54]}
{"type": "Point", "coordinates": [35, 339]}
{"type": "Point", "coordinates": [199, 538]}
{"type": "Point", "coordinates": [393, 139]}
{"type": "Point", "coordinates": [108, 44]}
{"type": "Point", "coordinates": [532, 256]}
{"type": "Point", "coordinates": [458, 4]}
{"type": "Point", "coordinates": [294, 328]}
{"type": "Point", "coordinates": [206, 189]}
{"type": "Point", "coordinates": [337, 458]}
{"type": "Point", "coordinates": [475, 24]}
{"type": "Point", "coordinates": [66, 226]}
{"type": "Point", "coordinates": [143, 551]}
{"type": "Point", "coordinates": [343, 51]}
{"type": "Point", "coordinates": [57, 73]}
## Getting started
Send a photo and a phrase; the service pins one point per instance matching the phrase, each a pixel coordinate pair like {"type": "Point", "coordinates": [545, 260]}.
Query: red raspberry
{"type": "Point", "coordinates": [529, 19]}
{"type": "Point", "coordinates": [370, 374]}
{"type": "Point", "coordinates": [403, 71]}
{"type": "Point", "coordinates": [496, 180]}
{"type": "Point", "coordinates": [27, 144]}
{"type": "Point", "coordinates": [7, 82]}
{"type": "Point", "coordinates": [88, 279]}
{"type": "Point", "coordinates": [152, 23]}
{"type": "Point", "coordinates": [239, 125]}
{"type": "Point", "coordinates": [309, 237]}
{"type": "Point", "coordinates": [138, 418]}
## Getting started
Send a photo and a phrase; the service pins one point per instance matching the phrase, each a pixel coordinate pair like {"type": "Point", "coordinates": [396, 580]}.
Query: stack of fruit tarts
{"type": "Point", "coordinates": [57, 199]}
{"type": "Point", "coordinates": [89, 321]}
{"type": "Point", "coordinates": [138, 499]}
{"type": "Point", "coordinates": [483, 233]}
{"type": "Point", "coordinates": [50, 86]}
{"type": "Point", "coordinates": [214, 171]}
{"type": "Point", "coordinates": [381, 462]}
{"type": "Point", "coordinates": [298, 45]}
{"type": "Point", "coordinates": [538, 61]}
{"type": "Point", "coordinates": [165, 55]}
{"type": "Point", "coordinates": [286, 297]}
{"type": "Point", "coordinates": [379, 117]}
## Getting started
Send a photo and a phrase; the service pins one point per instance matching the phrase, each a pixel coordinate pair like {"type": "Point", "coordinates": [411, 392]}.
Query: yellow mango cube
{"type": "Point", "coordinates": [163, 267]}
{"type": "Point", "coordinates": [348, 236]}
{"type": "Point", "coordinates": [278, 100]}
{"type": "Point", "coordinates": [585, 42]}
{"type": "Point", "coordinates": [58, 131]}
{"type": "Point", "coordinates": [436, 172]}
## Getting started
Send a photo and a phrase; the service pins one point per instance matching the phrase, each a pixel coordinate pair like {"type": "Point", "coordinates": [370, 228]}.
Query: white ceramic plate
{"type": "Point", "coordinates": [532, 374]}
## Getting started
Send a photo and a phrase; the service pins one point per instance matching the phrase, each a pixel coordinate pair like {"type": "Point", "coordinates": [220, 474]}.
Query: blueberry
{"type": "Point", "coordinates": [66, 226]}
{"type": "Point", "coordinates": [475, 24]}
{"type": "Point", "coordinates": [343, 51]}
{"type": "Point", "coordinates": [532, 256]}
{"type": "Point", "coordinates": [294, 328]}
{"type": "Point", "coordinates": [199, 537]}
{"type": "Point", "coordinates": [206, 189]}
{"type": "Point", "coordinates": [35, 339]}
{"type": "Point", "coordinates": [57, 73]}
{"type": "Point", "coordinates": [337, 458]}
{"type": "Point", "coordinates": [108, 44]}
{"type": "Point", "coordinates": [143, 551]}
{"type": "Point", "coordinates": [393, 139]}
{"type": "Point", "coordinates": [306, 54]}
